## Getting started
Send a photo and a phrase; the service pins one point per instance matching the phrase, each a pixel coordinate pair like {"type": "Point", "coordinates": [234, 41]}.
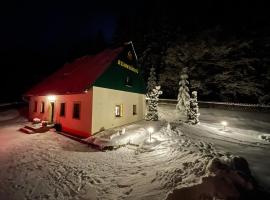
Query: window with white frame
{"type": "Point", "coordinates": [118, 110]}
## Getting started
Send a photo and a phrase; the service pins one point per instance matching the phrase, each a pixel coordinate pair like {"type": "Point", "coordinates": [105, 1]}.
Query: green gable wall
{"type": "Point", "coordinates": [124, 66]}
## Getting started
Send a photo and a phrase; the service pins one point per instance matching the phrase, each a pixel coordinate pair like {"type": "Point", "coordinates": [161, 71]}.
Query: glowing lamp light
{"type": "Point", "coordinates": [224, 124]}
{"type": "Point", "coordinates": [150, 131]}
{"type": "Point", "coordinates": [51, 98]}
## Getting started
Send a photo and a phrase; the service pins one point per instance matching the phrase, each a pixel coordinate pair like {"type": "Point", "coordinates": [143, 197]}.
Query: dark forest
{"type": "Point", "coordinates": [225, 45]}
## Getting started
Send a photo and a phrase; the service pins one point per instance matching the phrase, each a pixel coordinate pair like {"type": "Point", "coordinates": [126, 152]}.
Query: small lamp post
{"type": "Point", "coordinates": [150, 131]}
{"type": "Point", "coordinates": [224, 124]}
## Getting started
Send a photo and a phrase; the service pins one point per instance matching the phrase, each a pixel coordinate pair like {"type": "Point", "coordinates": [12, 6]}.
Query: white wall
{"type": "Point", "coordinates": [104, 101]}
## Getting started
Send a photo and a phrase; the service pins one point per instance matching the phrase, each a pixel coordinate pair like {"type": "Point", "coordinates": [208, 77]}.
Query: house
{"type": "Point", "coordinates": [91, 94]}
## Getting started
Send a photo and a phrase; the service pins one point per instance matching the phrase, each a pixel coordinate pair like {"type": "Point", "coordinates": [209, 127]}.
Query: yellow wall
{"type": "Point", "coordinates": [104, 101]}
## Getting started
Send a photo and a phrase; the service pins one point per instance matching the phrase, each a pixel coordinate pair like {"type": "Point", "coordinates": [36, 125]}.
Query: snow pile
{"type": "Point", "coordinates": [36, 120]}
{"type": "Point", "coordinates": [132, 134]}
{"type": "Point", "coordinates": [221, 182]}
{"type": "Point", "coordinates": [199, 167]}
{"type": "Point", "coordinates": [265, 137]}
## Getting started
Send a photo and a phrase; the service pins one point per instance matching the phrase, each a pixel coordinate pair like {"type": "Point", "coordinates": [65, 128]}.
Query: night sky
{"type": "Point", "coordinates": [37, 37]}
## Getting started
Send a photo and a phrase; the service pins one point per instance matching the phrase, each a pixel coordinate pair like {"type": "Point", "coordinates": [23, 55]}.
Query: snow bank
{"type": "Point", "coordinates": [265, 137]}
{"type": "Point", "coordinates": [221, 182]}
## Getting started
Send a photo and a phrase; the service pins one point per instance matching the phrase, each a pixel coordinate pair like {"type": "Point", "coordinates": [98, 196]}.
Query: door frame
{"type": "Point", "coordinates": [52, 112]}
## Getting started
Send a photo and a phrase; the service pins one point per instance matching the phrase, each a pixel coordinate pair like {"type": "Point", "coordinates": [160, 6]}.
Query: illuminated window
{"type": "Point", "coordinates": [118, 110]}
{"type": "Point", "coordinates": [62, 109]}
{"type": "Point", "coordinates": [42, 107]}
{"type": "Point", "coordinates": [76, 110]}
{"type": "Point", "coordinates": [134, 109]}
{"type": "Point", "coordinates": [35, 106]}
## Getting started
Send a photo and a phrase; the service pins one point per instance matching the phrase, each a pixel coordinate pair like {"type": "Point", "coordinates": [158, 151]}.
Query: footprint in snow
{"type": "Point", "coordinates": [144, 173]}
{"type": "Point", "coordinates": [128, 191]}
{"type": "Point", "coordinates": [123, 185]}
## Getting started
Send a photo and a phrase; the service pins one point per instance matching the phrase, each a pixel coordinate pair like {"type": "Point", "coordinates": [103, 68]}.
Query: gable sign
{"type": "Point", "coordinates": [127, 66]}
{"type": "Point", "coordinates": [126, 59]}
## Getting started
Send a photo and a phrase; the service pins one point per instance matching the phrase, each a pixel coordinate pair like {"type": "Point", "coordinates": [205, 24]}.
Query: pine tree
{"type": "Point", "coordinates": [152, 112]}
{"type": "Point", "coordinates": [183, 96]}
{"type": "Point", "coordinates": [194, 109]}
{"type": "Point", "coordinates": [152, 81]}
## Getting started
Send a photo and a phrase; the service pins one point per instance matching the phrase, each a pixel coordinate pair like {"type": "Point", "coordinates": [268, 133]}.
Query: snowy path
{"type": "Point", "coordinates": [51, 166]}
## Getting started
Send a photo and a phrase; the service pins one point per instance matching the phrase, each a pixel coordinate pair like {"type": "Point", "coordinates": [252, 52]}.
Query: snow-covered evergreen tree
{"type": "Point", "coordinates": [194, 114]}
{"type": "Point", "coordinates": [152, 108]}
{"type": "Point", "coordinates": [152, 81]}
{"type": "Point", "coordinates": [183, 99]}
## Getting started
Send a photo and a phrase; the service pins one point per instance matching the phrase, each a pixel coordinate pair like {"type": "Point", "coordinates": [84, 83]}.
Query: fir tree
{"type": "Point", "coordinates": [194, 109]}
{"type": "Point", "coordinates": [152, 81]}
{"type": "Point", "coordinates": [183, 96]}
{"type": "Point", "coordinates": [152, 109]}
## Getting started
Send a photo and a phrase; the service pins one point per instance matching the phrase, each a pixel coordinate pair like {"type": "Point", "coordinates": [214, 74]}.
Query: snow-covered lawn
{"type": "Point", "coordinates": [180, 161]}
{"type": "Point", "coordinates": [241, 137]}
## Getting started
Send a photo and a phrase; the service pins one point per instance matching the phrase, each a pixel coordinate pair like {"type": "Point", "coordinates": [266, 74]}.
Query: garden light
{"type": "Point", "coordinates": [150, 130]}
{"type": "Point", "coordinates": [224, 124]}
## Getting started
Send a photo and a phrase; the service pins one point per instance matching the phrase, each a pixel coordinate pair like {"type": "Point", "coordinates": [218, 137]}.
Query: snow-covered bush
{"type": "Point", "coordinates": [152, 108]}
{"type": "Point", "coordinates": [193, 113]}
{"type": "Point", "coordinates": [36, 120]}
{"type": "Point", "coordinates": [183, 99]}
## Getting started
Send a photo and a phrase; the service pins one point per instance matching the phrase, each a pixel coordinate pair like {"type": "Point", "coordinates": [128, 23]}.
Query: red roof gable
{"type": "Point", "coordinates": [77, 76]}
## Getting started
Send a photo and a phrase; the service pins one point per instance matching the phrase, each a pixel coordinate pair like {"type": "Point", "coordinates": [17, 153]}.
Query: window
{"type": "Point", "coordinates": [63, 109]}
{"type": "Point", "coordinates": [42, 107]}
{"type": "Point", "coordinates": [134, 109]}
{"type": "Point", "coordinates": [128, 81]}
{"type": "Point", "coordinates": [76, 110]}
{"type": "Point", "coordinates": [118, 110]}
{"type": "Point", "coordinates": [35, 106]}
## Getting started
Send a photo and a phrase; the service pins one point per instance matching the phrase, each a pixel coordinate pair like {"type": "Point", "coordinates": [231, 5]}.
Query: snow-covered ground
{"type": "Point", "coordinates": [180, 162]}
{"type": "Point", "coordinates": [242, 136]}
